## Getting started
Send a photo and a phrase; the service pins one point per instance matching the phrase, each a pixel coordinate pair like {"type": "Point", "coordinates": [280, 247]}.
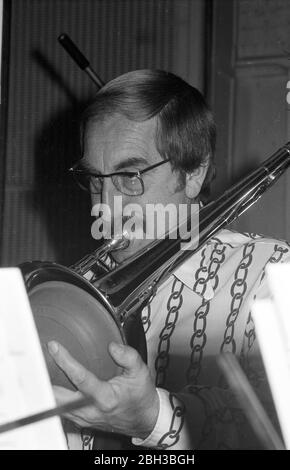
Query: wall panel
{"type": "Point", "coordinates": [251, 71]}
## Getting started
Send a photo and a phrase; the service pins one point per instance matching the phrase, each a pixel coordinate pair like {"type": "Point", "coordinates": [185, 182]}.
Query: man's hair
{"type": "Point", "coordinates": [185, 131]}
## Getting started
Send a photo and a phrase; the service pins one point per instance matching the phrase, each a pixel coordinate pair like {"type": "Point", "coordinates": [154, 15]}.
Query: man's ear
{"type": "Point", "coordinates": [194, 181]}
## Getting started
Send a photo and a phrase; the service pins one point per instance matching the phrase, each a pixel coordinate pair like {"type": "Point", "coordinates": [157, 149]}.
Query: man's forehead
{"type": "Point", "coordinates": [118, 139]}
{"type": "Point", "coordinates": [120, 128]}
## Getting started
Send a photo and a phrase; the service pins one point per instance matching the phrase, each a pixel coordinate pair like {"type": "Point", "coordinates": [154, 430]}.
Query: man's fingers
{"type": "Point", "coordinates": [84, 380]}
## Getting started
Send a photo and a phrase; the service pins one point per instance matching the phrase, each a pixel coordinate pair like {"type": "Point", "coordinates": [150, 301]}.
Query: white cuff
{"type": "Point", "coordinates": [166, 432]}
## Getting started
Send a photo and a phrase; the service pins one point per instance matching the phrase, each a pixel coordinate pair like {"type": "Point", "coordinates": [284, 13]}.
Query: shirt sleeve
{"type": "Point", "coordinates": [166, 432]}
{"type": "Point", "coordinates": [203, 418]}
{"type": "Point", "coordinates": [183, 424]}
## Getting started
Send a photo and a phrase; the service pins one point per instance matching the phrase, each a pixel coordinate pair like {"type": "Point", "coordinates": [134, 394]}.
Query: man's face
{"type": "Point", "coordinates": [118, 144]}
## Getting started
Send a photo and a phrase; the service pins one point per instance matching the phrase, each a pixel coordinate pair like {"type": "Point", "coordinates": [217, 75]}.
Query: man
{"type": "Point", "coordinates": [149, 137]}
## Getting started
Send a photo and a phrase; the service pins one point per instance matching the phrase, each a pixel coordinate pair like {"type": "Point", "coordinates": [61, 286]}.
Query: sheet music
{"type": "Point", "coordinates": [25, 387]}
{"type": "Point", "coordinates": [272, 321]}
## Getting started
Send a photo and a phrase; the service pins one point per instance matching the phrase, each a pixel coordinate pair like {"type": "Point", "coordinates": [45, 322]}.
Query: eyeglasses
{"type": "Point", "coordinates": [127, 182]}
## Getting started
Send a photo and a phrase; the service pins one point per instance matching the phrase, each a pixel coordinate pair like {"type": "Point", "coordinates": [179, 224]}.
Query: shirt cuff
{"type": "Point", "coordinates": [164, 433]}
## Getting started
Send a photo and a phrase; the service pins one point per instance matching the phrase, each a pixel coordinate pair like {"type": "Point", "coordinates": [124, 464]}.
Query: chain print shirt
{"type": "Point", "coordinates": [198, 313]}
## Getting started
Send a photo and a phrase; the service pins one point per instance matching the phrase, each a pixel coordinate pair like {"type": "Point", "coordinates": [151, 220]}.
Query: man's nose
{"type": "Point", "coordinates": [108, 192]}
{"type": "Point", "coordinates": [95, 199]}
{"type": "Point", "coordinates": [106, 196]}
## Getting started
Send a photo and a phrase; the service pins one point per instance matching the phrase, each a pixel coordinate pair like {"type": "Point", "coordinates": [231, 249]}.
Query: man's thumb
{"type": "Point", "coordinates": [126, 357]}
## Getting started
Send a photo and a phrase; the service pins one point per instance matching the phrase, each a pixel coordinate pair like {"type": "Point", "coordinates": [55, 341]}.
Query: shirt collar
{"type": "Point", "coordinates": [199, 271]}
{"type": "Point", "coordinates": [194, 273]}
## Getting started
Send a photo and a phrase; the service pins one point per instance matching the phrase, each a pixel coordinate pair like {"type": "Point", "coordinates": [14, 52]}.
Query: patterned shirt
{"type": "Point", "coordinates": [199, 312]}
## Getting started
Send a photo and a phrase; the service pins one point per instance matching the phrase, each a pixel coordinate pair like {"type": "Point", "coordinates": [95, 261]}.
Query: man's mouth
{"type": "Point", "coordinates": [122, 230]}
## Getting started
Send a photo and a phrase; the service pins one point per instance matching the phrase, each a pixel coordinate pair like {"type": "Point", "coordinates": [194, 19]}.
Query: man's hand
{"type": "Point", "coordinates": [127, 404]}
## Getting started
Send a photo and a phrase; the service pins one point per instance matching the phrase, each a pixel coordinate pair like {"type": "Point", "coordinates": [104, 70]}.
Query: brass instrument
{"type": "Point", "coordinates": [85, 316]}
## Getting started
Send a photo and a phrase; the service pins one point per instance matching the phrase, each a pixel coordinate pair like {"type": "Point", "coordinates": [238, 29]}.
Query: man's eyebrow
{"type": "Point", "coordinates": [131, 161]}
{"type": "Point", "coordinates": [128, 162]}
{"type": "Point", "coordinates": [84, 165]}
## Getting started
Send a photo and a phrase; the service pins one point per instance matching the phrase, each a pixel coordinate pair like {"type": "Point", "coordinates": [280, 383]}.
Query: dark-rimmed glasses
{"type": "Point", "coordinates": [129, 183]}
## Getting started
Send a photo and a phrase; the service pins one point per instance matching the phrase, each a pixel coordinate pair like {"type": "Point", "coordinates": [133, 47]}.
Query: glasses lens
{"type": "Point", "coordinates": [129, 185]}
{"type": "Point", "coordinates": [89, 183]}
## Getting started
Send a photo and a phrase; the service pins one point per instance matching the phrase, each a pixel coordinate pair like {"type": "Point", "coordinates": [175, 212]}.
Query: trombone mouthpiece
{"type": "Point", "coordinates": [118, 243]}
{"type": "Point", "coordinates": [90, 260]}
